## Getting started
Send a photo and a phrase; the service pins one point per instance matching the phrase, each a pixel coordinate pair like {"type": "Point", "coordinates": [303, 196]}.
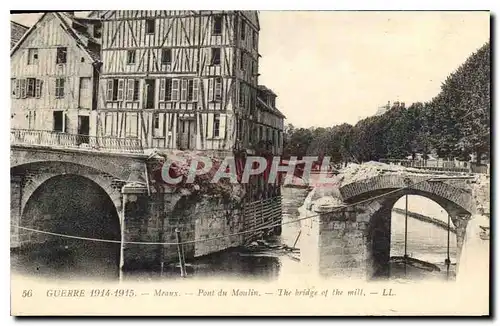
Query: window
{"type": "Point", "coordinates": [192, 90]}
{"type": "Point", "coordinates": [216, 125]}
{"type": "Point", "coordinates": [32, 56]}
{"type": "Point", "coordinates": [166, 56]}
{"type": "Point", "coordinates": [59, 87]}
{"type": "Point", "coordinates": [242, 30]}
{"type": "Point", "coordinates": [217, 25]}
{"type": "Point", "coordinates": [61, 55]}
{"type": "Point", "coordinates": [242, 60]}
{"type": "Point", "coordinates": [30, 82]}
{"type": "Point", "coordinates": [114, 87]}
{"type": "Point", "coordinates": [254, 40]}
{"type": "Point", "coordinates": [150, 26]}
{"type": "Point", "coordinates": [218, 89]}
{"type": "Point", "coordinates": [215, 56]}
{"type": "Point", "coordinates": [130, 57]}
{"type": "Point", "coordinates": [58, 121]}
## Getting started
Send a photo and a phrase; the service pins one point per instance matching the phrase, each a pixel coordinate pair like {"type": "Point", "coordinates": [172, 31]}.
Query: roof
{"type": "Point", "coordinates": [83, 39]}
{"type": "Point", "coordinates": [267, 90]}
{"type": "Point", "coordinates": [270, 109]}
{"type": "Point", "coordinates": [16, 32]}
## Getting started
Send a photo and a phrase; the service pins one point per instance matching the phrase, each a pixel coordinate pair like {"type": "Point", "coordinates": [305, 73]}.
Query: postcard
{"type": "Point", "coordinates": [250, 163]}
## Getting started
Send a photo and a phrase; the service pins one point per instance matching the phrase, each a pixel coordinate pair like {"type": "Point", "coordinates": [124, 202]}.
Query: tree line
{"type": "Point", "coordinates": [454, 124]}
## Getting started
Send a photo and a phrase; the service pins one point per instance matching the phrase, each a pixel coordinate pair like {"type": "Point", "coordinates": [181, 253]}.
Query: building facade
{"type": "Point", "coordinates": [182, 79]}
{"type": "Point", "coordinates": [54, 75]}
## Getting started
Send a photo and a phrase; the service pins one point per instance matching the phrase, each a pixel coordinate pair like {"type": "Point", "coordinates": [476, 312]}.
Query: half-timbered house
{"type": "Point", "coordinates": [179, 79]}
{"type": "Point", "coordinates": [55, 73]}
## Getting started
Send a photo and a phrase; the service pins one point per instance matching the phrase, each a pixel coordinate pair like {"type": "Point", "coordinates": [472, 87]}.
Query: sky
{"type": "Point", "coordinates": [329, 68]}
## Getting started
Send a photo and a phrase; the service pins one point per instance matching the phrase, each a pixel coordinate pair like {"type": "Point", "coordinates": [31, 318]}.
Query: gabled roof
{"type": "Point", "coordinates": [82, 39]}
{"type": "Point", "coordinates": [16, 32]}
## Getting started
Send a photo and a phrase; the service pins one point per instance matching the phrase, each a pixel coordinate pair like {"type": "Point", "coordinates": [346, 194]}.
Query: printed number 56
{"type": "Point", "coordinates": [27, 293]}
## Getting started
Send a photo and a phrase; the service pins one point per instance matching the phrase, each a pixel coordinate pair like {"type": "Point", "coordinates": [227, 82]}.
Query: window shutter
{"type": "Point", "coordinates": [120, 89]}
{"type": "Point", "coordinates": [136, 90]}
{"type": "Point", "coordinates": [109, 90]}
{"type": "Point", "coordinates": [62, 87]}
{"type": "Point", "coordinates": [168, 89]}
{"type": "Point", "coordinates": [184, 90]}
{"type": "Point", "coordinates": [23, 88]}
{"type": "Point", "coordinates": [175, 89]}
{"type": "Point", "coordinates": [38, 89]}
{"type": "Point", "coordinates": [130, 90]}
{"type": "Point", "coordinates": [210, 125]}
{"type": "Point", "coordinates": [162, 89]}
{"type": "Point", "coordinates": [18, 88]}
{"type": "Point", "coordinates": [195, 90]}
{"type": "Point", "coordinates": [222, 125]}
{"type": "Point", "coordinates": [30, 87]}
{"type": "Point", "coordinates": [210, 89]}
{"type": "Point", "coordinates": [218, 89]}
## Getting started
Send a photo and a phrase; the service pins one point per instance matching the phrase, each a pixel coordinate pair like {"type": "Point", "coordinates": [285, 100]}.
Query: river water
{"type": "Point", "coordinates": [98, 261]}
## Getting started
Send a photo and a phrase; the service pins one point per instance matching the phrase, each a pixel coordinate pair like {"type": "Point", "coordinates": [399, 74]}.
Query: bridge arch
{"type": "Point", "coordinates": [70, 202]}
{"type": "Point", "coordinates": [385, 191]}
{"type": "Point", "coordinates": [452, 198]}
{"type": "Point", "coordinates": [36, 174]}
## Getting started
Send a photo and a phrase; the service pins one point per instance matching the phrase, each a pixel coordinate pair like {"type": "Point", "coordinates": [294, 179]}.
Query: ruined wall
{"type": "Point", "coordinates": [156, 218]}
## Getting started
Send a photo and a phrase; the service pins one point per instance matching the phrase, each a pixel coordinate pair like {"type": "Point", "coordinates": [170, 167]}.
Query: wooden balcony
{"type": "Point", "coordinates": [53, 139]}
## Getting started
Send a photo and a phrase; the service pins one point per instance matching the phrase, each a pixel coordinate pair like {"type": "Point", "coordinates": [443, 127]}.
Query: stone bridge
{"type": "Point", "coordinates": [106, 195]}
{"type": "Point", "coordinates": [349, 232]}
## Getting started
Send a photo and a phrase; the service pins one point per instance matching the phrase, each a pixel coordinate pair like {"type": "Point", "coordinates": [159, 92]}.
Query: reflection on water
{"type": "Point", "coordinates": [74, 259]}
{"type": "Point", "coordinates": [426, 241]}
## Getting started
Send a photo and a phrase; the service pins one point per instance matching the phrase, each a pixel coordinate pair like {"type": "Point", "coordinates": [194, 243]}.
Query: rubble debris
{"type": "Point", "coordinates": [262, 248]}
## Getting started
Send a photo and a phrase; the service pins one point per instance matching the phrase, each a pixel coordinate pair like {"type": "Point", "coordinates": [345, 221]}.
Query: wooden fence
{"type": "Point", "coordinates": [262, 213]}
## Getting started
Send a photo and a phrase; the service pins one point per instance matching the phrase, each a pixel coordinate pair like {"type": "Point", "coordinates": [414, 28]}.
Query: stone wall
{"type": "Point", "coordinates": [156, 218]}
{"type": "Point", "coordinates": [216, 220]}
{"type": "Point", "coordinates": [335, 243]}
